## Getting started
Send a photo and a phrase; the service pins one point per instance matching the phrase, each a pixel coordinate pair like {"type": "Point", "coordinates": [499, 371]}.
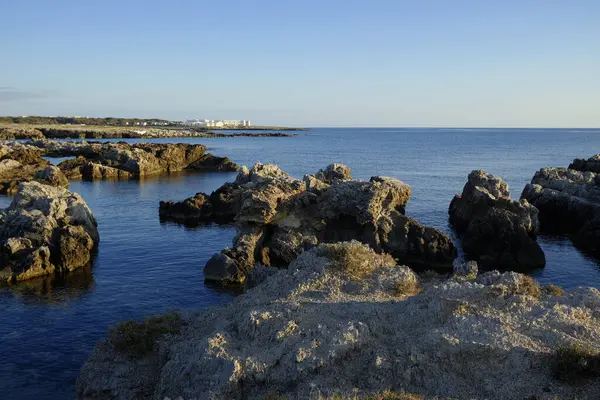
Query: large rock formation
{"type": "Point", "coordinates": [278, 217]}
{"type": "Point", "coordinates": [496, 232]}
{"type": "Point", "coordinates": [19, 132]}
{"type": "Point", "coordinates": [23, 163]}
{"type": "Point", "coordinates": [317, 330]}
{"type": "Point", "coordinates": [569, 201]}
{"type": "Point", "coordinates": [121, 160]}
{"type": "Point", "coordinates": [45, 230]}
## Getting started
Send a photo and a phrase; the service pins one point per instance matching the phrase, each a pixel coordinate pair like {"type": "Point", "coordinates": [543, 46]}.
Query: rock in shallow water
{"type": "Point", "coordinates": [315, 331]}
{"type": "Point", "coordinates": [278, 217]}
{"type": "Point", "coordinates": [569, 201]}
{"type": "Point", "coordinates": [45, 230]}
{"type": "Point", "coordinates": [496, 232]}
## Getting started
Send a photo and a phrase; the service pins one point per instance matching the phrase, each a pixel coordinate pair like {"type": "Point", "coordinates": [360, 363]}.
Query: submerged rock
{"type": "Point", "coordinates": [497, 232]}
{"type": "Point", "coordinates": [45, 230]}
{"type": "Point", "coordinates": [569, 201]}
{"type": "Point", "coordinates": [278, 217]}
{"type": "Point", "coordinates": [345, 322]}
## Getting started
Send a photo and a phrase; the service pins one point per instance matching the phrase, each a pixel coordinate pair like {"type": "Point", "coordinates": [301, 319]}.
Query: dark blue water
{"type": "Point", "coordinates": [143, 267]}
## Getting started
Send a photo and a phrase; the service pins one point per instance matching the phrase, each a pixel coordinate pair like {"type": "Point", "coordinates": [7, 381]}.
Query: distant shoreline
{"type": "Point", "coordinates": [80, 131]}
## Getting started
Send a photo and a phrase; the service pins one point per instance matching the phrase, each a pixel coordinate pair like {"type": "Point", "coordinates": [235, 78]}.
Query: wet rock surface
{"type": "Point", "coordinates": [569, 201]}
{"type": "Point", "coordinates": [315, 331]}
{"type": "Point", "coordinates": [45, 230]}
{"type": "Point", "coordinates": [278, 217]}
{"type": "Point", "coordinates": [497, 232]}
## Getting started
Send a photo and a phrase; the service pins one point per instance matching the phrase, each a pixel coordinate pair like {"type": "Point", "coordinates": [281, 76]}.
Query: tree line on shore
{"type": "Point", "coordinates": [109, 121]}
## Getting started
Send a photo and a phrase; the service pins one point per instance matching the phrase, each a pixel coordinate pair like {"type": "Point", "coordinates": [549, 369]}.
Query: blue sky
{"type": "Point", "coordinates": [523, 63]}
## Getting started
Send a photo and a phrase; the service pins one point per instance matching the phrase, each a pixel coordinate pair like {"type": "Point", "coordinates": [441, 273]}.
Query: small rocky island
{"type": "Point", "coordinates": [45, 230]}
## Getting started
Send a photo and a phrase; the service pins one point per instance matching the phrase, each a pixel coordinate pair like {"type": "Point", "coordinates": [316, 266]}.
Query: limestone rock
{"type": "Point", "coordinates": [52, 176]}
{"type": "Point", "coordinates": [19, 163]}
{"type": "Point", "coordinates": [313, 331]}
{"type": "Point", "coordinates": [279, 217]}
{"type": "Point", "coordinates": [45, 230]}
{"type": "Point", "coordinates": [121, 160]}
{"type": "Point", "coordinates": [569, 201]}
{"type": "Point", "coordinates": [496, 232]}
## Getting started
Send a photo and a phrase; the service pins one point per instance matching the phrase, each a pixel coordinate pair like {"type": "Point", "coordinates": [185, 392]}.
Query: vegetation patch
{"type": "Point", "coordinates": [136, 339]}
{"type": "Point", "coordinates": [554, 290]}
{"type": "Point", "coordinates": [407, 287]}
{"type": "Point", "coordinates": [575, 363]}
{"type": "Point", "coordinates": [390, 395]}
{"type": "Point", "coordinates": [528, 287]}
{"type": "Point", "coordinates": [354, 258]}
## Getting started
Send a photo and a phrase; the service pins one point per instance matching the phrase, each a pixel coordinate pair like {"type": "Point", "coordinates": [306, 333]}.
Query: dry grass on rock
{"type": "Point", "coordinates": [136, 339]}
{"type": "Point", "coordinates": [354, 258]}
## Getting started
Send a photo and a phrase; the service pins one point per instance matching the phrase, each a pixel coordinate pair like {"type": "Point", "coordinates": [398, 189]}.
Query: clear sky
{"type": "Point", "coordinates": [475, 63]}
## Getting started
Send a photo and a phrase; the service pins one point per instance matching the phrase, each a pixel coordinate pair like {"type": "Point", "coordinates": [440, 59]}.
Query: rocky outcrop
{"type": "Point", "coordinates": [122, 161]}
{"type": "Point", "coordinates": [23, 163]}
{"type": "Point", "coordinates": [278, 217]}
{"type": "Point", "coordinates": [315, 331]}
{"type": "Point", "coordinates": [17, 132]}
{"type": "Point", "coordinates": [497, 232]}
{"type": "Point", "coordinates": [569, 201]}
{"type": "Point", "coordinates": [45, 230]}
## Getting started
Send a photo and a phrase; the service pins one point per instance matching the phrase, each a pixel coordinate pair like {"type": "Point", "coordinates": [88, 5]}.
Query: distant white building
{"type": "Point", "coordinates": [208, 123]}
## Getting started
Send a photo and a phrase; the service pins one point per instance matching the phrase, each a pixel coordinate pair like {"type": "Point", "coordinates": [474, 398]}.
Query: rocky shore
{"type": "Point", "coordinates": [497, 232]}
{"type": "Point", "coordinates": [345, 322]}
{"type": "Point", "coordinates": [568, 200]}
{"type": "Point", "coordinates": [20, 131]}
{"type": "Point", "coordinates": [45, 230]}
{"type": "Point", "coordinates": [23, 162]}
{"type": "Point", "coordinates": [278, 217]}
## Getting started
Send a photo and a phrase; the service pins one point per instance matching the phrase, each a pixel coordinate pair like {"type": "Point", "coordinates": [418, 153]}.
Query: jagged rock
{"type": "Point", "coordinates": [18, 132]}
{"type": "Point", "coordinates": [496, 232]}
{"type": "Point", "coordinates": [52, 176]}
{"type": "Point", "coordinates": [569, 201]}
{"type": "Point", "coordinates": [20, 163]}
{"type": "Point", "coordinates": [81, 168]}
{"type": "Point", "coordinates": [315, 331]}
{"type": "Point", "coordinates": [121, 161]}
{"type": "Point", "coordinates": [334, 173]}
{"type": "Point", "coordinates": [278, 217]}
{"type": "Point", "coordinates": [465, 270]}
{"type": "Point", "coordinates": [45, 230]}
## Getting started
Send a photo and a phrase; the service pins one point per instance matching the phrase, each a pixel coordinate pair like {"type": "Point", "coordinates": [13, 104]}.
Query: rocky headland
{"type": "Point", "coordinates": [497, 232]}
{"type": "Point", "coordinates": [345, 322]}
{"type": "Point", "coordinates": [568, 200]}
{"type": "Point", "coordinates": [45, 230]}
{"type": "Point", "coordinates": [278, 217]}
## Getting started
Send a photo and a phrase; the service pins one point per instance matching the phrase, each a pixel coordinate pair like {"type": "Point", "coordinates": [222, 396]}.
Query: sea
{"type": "Point", "coordinates": [48, 327]}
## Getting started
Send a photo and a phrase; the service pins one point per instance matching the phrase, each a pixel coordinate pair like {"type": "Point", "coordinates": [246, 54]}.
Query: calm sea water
{"type": "Point", "coordinates": [143, 267]}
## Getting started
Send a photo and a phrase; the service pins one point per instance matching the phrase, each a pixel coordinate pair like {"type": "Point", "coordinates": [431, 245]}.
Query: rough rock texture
{"type": "Point", "coordinates": [313, 332]}
{"type": "Point", "coordinates": [496, 232]}
{"type": "Point", "coordinates": [121, 160]}
{"type": "Point", "coordinates": [12, 132]}
{"type": "Point", "coordinates": [278, 217]}
{"type": "Point", "coordinates": [45, 230]}
{"type": "Point", "coordinates": [569, 201]}
{"type": "Point", "coordinates": [23, 163]}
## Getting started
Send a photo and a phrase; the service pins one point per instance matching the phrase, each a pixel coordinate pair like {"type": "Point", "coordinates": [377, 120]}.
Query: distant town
{"type": "Point", "coordinates": [111, 121]}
